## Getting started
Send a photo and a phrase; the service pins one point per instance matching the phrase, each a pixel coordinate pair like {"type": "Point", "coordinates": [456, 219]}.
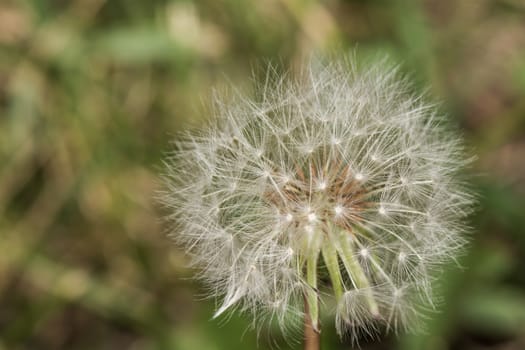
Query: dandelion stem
{"type": "Point", "coordinates": [311, 332]}
{"type": "Point", "coordinates": [312, 301]}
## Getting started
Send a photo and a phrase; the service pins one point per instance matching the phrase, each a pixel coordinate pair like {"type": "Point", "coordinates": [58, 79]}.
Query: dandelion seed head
{"type": "Point", "coordinates": [341, 167]}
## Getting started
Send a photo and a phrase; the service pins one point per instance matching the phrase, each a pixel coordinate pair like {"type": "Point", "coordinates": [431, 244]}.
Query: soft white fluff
{"type": "Point", "coordinates": [340, 169]}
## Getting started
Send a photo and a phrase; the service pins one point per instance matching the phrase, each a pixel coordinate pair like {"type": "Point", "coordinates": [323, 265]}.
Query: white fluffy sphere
{"type": "Point", "coordinates": [336, 183]}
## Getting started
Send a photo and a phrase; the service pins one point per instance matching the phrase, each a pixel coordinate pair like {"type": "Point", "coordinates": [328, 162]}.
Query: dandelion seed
{"type": "Point", "coordinates": [338, 210]}
{"type": "Point", "coordinates": [341, 168]}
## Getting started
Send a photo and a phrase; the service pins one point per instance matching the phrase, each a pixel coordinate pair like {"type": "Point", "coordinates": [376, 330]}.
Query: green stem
{"type": "Point", "coordinates": [311, 294]}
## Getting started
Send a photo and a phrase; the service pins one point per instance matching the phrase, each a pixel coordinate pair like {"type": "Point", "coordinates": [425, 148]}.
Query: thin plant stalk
{"type": "Point", "coordinates": [312, 336]}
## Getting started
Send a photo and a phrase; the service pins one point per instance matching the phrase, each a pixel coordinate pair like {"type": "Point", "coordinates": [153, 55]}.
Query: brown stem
{"type": "Point", "coordinates": [311, 335]}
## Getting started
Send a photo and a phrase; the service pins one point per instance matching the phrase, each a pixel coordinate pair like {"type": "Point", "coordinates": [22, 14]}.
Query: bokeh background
{"type": "Point", "coordinates": [92, 92]}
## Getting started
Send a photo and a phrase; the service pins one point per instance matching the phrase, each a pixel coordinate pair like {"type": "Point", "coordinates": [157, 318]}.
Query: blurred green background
{"type": "Point", "coordinates": [92, 92]}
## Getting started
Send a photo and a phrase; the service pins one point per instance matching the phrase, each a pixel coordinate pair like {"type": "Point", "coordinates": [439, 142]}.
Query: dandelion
{"type": "Point", "coordinates": [339, 184]}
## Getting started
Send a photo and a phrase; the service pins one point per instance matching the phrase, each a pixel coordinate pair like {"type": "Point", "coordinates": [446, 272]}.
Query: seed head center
{"type": "Point", "coordinates": [334, 190]}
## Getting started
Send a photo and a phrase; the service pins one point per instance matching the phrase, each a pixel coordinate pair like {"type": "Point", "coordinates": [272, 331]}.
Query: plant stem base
{"type": "Point", "coordinates": [311, 335]}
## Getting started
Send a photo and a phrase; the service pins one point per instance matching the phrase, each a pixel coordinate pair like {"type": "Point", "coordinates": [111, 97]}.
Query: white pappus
{"type": "Point", "coordinates": [338, 183]}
